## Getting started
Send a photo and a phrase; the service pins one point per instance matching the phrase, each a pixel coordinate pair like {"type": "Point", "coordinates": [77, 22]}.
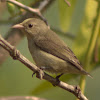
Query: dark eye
{"type": "Point", "coordinates": [30, 25]}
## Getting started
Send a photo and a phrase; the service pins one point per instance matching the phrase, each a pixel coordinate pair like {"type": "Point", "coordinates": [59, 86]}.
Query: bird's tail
{"type": "Point", "coordinates": [88, 74]}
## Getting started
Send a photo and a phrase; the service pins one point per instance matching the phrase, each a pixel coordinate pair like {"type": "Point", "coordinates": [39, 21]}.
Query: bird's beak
{"type": "Point", "coordinates": [19, 26]}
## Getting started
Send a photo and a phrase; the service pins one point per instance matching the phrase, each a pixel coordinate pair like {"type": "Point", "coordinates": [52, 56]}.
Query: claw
{"type": "Point", "coordinates": [40, 74]}
{"type": "Point", "coordinates": [33, 74]}
{"type": "Point", "coordinates": [57, 77]}
{"type": "Point", "coordinates": [15, 53]}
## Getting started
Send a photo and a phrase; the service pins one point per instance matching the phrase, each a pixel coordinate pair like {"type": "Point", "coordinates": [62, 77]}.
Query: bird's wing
{"type": "Point", "coordinates": [55, 46]}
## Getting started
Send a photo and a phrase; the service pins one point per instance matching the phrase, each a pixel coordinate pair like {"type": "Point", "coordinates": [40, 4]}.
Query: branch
{"type": "Point", "coordinates": [21, 98]}
{"type": "Point", "coordinates": [73, 89]}
{"type": "Point", "coordinates": [68, 3]}
{"type": "Point", "coordinates": [32, 10]}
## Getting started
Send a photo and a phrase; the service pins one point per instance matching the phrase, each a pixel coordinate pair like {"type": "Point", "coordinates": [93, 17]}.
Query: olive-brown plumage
{"type": "Point", "coordinates": [48, 50]}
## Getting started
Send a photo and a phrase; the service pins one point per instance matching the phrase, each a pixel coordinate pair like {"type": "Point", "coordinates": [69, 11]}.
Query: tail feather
{"type": "Point", "coordinates": [88, 74]}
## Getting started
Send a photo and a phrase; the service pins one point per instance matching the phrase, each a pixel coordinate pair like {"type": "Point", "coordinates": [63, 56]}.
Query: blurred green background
{"type": "Point", "coordinates": [77, 26]}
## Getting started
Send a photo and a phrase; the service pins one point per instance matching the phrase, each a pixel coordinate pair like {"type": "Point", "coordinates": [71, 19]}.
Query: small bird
{"type": "Point", "coordinates": [49, 52]}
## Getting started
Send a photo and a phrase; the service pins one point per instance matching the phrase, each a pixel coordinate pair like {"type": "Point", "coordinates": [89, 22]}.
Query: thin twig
{"type": "Point", "coordinates": [43, 4]}
{"type": "Point", "coordinates": [68, 3]}
{"type": "Point", "coordinates": [25, 7]}
{"type": "Point", "coordinates": [32, 10]}
{"type": "Point", "coordinates": [73, 89]}
{"type": "Point", "coordinates": [21, 98]}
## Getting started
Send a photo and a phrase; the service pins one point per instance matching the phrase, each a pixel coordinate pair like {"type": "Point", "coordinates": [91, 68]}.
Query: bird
{"type": "Point", "coordinates": [48, 51]}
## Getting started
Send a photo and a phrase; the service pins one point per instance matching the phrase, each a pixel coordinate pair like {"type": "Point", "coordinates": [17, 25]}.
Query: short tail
{"type": "Point", "coordinates": [89, 75]}
{"type": "Point", "coordinates": [86, 73]}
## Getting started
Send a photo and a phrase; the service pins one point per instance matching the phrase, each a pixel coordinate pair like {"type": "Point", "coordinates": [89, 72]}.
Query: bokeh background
{"type": "Point", "coordinates": [78, 26]}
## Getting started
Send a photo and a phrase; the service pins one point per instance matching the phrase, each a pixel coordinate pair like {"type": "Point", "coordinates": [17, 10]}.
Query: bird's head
{"type": "Point", "coordinates": [32, 26]}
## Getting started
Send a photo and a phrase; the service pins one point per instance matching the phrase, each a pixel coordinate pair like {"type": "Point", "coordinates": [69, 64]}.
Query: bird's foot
{"type": "Point", "coordinates": [15, 53]}
{"type": "Point", "coordinates": [33, 74]}
{"type": "Point", "coordinates": [39, 74]}
{"type": "Point", "coordinates": [57, 78]}
{"type": "Point", "coordinates": [42, 68]}
{"type": "Point", "coordinates": [78, 91]}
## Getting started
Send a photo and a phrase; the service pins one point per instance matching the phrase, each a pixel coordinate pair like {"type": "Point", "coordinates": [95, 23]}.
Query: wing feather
{"type": "Point", "coordinates": [52, 44]}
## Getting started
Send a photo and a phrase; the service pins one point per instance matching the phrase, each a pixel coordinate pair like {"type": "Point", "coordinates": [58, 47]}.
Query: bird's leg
{"type": "Point", "coordinates": [39, 73]}
{"type": "Point", "coordinates": [45, 68]}
{"type": "Point", "coordinates": [57, 77]}
{"type": "Point", "coordinates": [33, 73]}
{"type": "Point", "coordinates": [42, 68]}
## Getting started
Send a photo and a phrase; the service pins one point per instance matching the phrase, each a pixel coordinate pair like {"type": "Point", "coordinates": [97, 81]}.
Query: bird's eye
{"type": "Point", "coordinates": [30, 25]}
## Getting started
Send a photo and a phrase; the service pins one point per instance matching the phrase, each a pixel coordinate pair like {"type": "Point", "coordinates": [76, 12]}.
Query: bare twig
{"type": "Point", "coordinates": [25, 7]}
{"type": "Point", "coordinates": [21, 98]}
{"type": "Point", "coordinates": [73, 89]}
{"type": "Point", "coordinates": [32, 10]}
{"type": "Point", "coordinates": [68, 3]}
{"type": "Point", "coordinates": [43, 4]}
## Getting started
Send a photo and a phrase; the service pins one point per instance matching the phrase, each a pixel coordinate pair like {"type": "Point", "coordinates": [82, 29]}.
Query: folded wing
{"type": "Point", "coordinates": [52, 44]}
